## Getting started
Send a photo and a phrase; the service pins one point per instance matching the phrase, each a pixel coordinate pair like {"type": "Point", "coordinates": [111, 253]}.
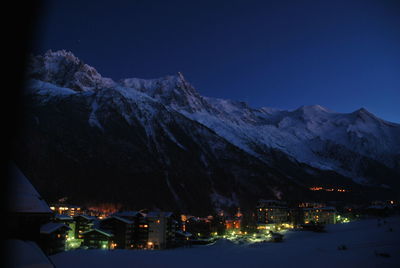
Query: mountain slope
{"type": "Point", "coordinates": [310, 134]}
{"type": "Point", "coordinates": [158, 143]}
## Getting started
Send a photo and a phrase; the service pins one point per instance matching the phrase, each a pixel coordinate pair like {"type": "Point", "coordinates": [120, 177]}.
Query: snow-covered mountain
{"type": "Point", "coordinates": [160, 136]}
{"type": "Point", "coordinates": [310, 134]}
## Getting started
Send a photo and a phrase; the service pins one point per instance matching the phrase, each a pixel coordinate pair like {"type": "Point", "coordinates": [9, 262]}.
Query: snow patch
{"type": "Point", "coordinates": [93, 121]}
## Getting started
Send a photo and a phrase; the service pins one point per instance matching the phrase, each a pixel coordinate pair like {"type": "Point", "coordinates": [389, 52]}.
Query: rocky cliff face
{"type": "Point", "coordinates": [159, 143]}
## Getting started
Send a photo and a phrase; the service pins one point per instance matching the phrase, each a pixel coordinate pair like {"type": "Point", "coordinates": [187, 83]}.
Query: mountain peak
{"type": "Point", "coordinates": [312, 109]}
{"type": "Point", "coordinates": [172, 90]}
{"type": "Point", "coordinates": [53, 61]}
{"type": "Point", "coordinates": [362, 110]}
{"type": "Point", "coordinates": [62, 54]}
{"type": "Point", "coordinates": [64, 69]}
{"type": "Point", "coordinates": [180, 75]}
{"type": "Point", "coordinates": [364, 114]}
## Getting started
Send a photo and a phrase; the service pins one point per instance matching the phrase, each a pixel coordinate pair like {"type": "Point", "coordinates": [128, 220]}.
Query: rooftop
{"type": "Point", "coordinates": [51, 227]}
{"type": "Point", "coordinates": [25, 197]}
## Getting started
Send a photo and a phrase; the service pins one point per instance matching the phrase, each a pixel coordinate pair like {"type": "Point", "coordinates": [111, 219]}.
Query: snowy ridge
{"type": "Point", "coordinates": [63, 69]}
{"type": "Point", "coordinates": [300, 133]}
{"type": "Point", "coordinates": [310, 134]}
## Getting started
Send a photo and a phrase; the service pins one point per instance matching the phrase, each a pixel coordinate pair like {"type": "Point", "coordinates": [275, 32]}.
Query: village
{"type": "Point", "coordinates": [62, 227]}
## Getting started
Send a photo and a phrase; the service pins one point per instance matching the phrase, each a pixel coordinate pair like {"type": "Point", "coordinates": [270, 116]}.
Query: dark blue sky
{"type": "Point", "coordinates": [340, 54]}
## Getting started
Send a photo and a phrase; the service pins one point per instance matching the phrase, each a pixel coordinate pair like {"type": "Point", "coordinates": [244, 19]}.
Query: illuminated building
{"type": "Point", "coordinates": [217, 224]}
{"type": "Point", "coordinates": [197, 225]}
{"type": "Point", "coordinates": [83, 223]}
{"type": "Point", "coordinates": [272, 212]}
{"type": "Point", "coordinates": [162, 228]}
{"type": "Point", "coordinates": [311, 205]}
{"type": "Point", "coordinates": [140, 231]}
{"type": "Point", "coordinates": [324, 215]}
{"type": "Point", "coordinates": [52, 237]}
{"type": "Point", "coordinates": [64, 209]}
{"type": "Point", "coordinates": [122, 230]}
{"type": "Point", "coordinates": [234, 223]}
{"type": "Point", "coordinates": [183, 238]}
{"type": "Point", "coordinates": [98, 239]}
{"type": "Point", "coordinates": [72, 241]}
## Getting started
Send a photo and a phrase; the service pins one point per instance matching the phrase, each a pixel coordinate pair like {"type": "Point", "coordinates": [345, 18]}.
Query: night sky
{"type": "Point", "coordinates": [283, 54]}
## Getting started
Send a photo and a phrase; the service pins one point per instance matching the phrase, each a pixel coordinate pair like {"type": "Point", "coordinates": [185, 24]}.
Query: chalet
{"type": "Point", "coordinates": [27, 211]}
{"type": "Point", "coordinates": [98, 239]}
{"type": "Point", "coordinates": [52, 237]}
{"type": "Point", "coordinates": [122, 230]}
{"type": "Point", "coordinates": [73, 241]}
{"type": "Point", "coordinates": [83, 223]}
{"type": "Point", "coordinates": [67, 220]}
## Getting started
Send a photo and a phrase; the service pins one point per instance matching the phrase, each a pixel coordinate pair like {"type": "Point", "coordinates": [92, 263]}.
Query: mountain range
{"type": "Point", "coordinates": [158, 143]}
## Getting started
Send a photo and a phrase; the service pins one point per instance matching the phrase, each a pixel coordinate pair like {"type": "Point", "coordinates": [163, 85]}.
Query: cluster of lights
{"type": "Point", "coordinates": [318, 188]}
{"type": "Point", "coordinates": [64, 208]}
{"type": "Point", "coordinates": [342, 219]}
{"type": "Point", "coordinates": [73, 243]}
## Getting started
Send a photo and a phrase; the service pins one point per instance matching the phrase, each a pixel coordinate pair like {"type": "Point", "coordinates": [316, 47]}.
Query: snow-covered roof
{"type": "Point", "coordinates": [91, 218]}
{"type": "Point", "coordinates": [26, 254]}
{"type": "Point", "coordinates": [118, 218]}
{"type": "Point", "coordinates": [50, 227]}
{"type": "Point", "coordinates": [99, 231]}
{"type": "Point", "coordinates": [153, 214]}
{"type": "Point", "coordinates": [128, 214]}
{"type": "Point", "coordinates": [122, 219]}
{"type": "Point", "coordinates": [24, 197]}
{"type": "Point", "coordinates": [64, 205]}
{"type": "Point", "coordinates": [157, 214]}
{"type": "Point", "coordinates": [63, 217]}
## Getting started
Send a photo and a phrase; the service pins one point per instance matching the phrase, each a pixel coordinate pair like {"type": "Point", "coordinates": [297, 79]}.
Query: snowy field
{"type": "Point", "coordinates": [364, 240]}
